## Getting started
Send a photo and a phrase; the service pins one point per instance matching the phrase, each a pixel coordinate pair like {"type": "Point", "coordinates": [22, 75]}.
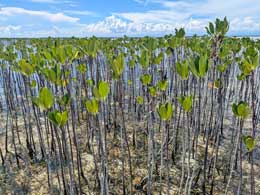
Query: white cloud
{"type": "Point", "coordinates": [114, 26]}
{"type": "Point", "coordinates": [213, 8]}
{"type": "Point", "coordinates": [195, 15]}
{"type": "Point", "coordinates": [145, 2]}
{"type": "Point", "coordinates": [153, 16]}
{"type": "Point", "coordinates": [81, 13]}
{"type": "Point", "coordinates": [7, 31]}
{"type": "Point", "coordinates": [53, 1]}
{"type": "Point", "coordinates": [72, 3]}
{"type": "Point", "coordinates": [53, 17]}
{"type": "Point", "coordinates": [44, 1]}
{"type": "Point", "coordinates": [245, 25]}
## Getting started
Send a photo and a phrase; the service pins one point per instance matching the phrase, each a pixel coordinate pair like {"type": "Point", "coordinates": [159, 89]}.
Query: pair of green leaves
{"type": "Point", "coordinates": [162, 85]}
{"type": "Point", "coordinates": [26, 68]}
{"type": "Point", "coordinates": [183, 69]}
{"type": "Point", "coordinates": [152, 91]}
{"type": "Point", "coordinates": [249, 62]}
{"type": "Point", "coordinates": [200, 65]}
{"type": "Point", "coordinates": [65, 100]}
{"type": "Point", "coordinates": [223, 67]}
{"type": "Point", "coordinates": [45, 100]}
{"type": "Point", "coordinates": [54, 75]}
{"type": "Point", "coordinates": [140, 100]}
{"type": "Point", "coordinates": [58, 118]}
{"type": "Point", "coordinates": [165, 111]}
{"type": "Point", "coordinates": [82, 68]}
{"type": "Point", "coordinates": [186, 102]}
{"type": "Point", "coordinates": [146, 79]}
{"type": "Point", "coordinates": [249, 142]}
{"type": "Point", "coordinates": [158, 59]}
{"type": "Point", "coordinates": [117, 66]}
{"type": "Point", "coordinates": [241, 110]}
{"type": "Point", "coordinates": [92, 106]}
{"type": "Point", "coordinates": [101, 91]}
{"type": "Point", "coordinates": [218, 83]}
{"type": "Point", "coordinates": [145, 59]}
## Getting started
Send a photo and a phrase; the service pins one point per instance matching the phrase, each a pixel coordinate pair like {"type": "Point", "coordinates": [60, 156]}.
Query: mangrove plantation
{"type": "Point", "coordinates": [173, 115]}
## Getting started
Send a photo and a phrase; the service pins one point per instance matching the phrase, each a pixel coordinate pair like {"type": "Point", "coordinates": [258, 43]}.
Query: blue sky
{"type": "Point", "coordinates": [65, 18]}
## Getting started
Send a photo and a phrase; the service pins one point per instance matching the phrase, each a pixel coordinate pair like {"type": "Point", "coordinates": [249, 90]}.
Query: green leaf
{"type": "Point", "coordinates": [132, 63]}
{"type": "Point", "coordinates": [217, 83]}
{"type": "Point", "coordinates": [52, 118]}
{"type": "Point", "coordinates": [207, 29]}
{"type": "Point", "coordinates": [103, 89]}
{"type": "Point", "coordinates": [33, 83]}
{"type": "Point", "coordinates": [129, 82]}
{"type": "Point", "coordinates": [65, 100]}
{"type": "Point", "coordinates": [90, 82]}
{"type": "Point", "coordinates": [36, 101]}
{"type": "Point", "coordinates": [203, 65]}
{"type": "Point", "coordinates": [241, 77]}
{"type": "Point", "coordinates": [194, 66]}
{"type": "Point", "coordinates": [223, 67]}
{"type": "Point", "coordinates": [157, 60]}
{"type": "Point", "coordinates": [47, 55]}
{"type": "Point", "coordinates": [234, 109]}
{"type": "Point", "coordinates": [101, 92]}
{"type": "Point", "coordinates": [45, 100]}
{"type": "Point", "coordinates": [243, 110]}
{"type": "Point", "coordinates": [211, 28]}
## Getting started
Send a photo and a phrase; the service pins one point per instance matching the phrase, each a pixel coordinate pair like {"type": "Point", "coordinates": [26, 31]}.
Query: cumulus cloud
{"type": "Point", "coordinates": [53, 17]}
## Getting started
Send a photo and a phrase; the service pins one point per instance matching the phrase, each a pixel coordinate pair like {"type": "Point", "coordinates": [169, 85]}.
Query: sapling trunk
{"type": "Point", "coordinates": [254, 123]}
